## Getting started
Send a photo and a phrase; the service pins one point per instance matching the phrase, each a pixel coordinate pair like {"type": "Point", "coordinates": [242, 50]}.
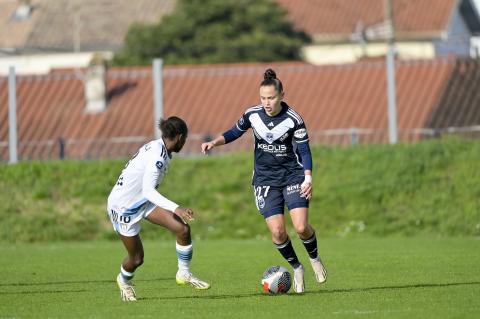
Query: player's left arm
{"type": "Point", "coordinates": [301, 138]}
{"type": "Point", "coordinates": [306, 156]}
{"type": "Point", "coordinates": [153, 166]}
{"type": "Point", "coordinates": [150, 179]}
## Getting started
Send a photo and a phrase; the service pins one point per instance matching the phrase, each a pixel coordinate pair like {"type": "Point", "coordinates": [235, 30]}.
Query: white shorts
{"type": "Point", "coordinates": [127, 222]}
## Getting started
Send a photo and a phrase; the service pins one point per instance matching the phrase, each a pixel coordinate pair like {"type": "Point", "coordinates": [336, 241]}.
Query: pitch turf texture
{"type": "Point", "coordinates": [398, 229]}
{"type": "Point", "coordinates": [368, 278]}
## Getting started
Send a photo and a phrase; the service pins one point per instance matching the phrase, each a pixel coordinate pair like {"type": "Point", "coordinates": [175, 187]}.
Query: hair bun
{"type": "Point", "coordinates": [269, 74]}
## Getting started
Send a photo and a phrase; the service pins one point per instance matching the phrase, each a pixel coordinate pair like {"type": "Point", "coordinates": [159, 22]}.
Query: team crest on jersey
{"type": "Point", "coordinates": [269, 137]}
{"type": "Point", "coordinates": [301, 133]}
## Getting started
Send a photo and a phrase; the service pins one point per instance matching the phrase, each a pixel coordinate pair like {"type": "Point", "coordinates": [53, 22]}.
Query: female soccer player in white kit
{"type": "Point", "coordinates": [134, 197]}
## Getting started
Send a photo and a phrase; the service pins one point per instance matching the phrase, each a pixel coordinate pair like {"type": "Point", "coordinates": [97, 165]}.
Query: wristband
{"type": "Point", "coordinates": [308, 179]}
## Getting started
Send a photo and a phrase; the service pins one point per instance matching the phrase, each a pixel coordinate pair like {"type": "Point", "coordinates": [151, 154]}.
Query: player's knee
{"type": "Point", "coordinates": [301, 229]}
{"type": "Point", "coordinates": [184, 231]}
{"type": "Point", "coordinates": [137, 260]}
{"type": "Point", "coordinates": [279, 235]}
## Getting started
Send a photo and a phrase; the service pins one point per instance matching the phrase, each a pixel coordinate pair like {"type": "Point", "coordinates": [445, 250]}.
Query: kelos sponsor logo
{"type": "Point", "coordinates": [293, 188]}
{"type": "Point", "coordinates": [271, 148]}
{"type": "Point", "coordinates": [301, 133]}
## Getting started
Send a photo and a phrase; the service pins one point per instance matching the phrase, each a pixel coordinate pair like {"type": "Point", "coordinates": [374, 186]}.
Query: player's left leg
{"type": "Point", "coordinates": [276, 225]}
{"type": "Point", "coordinates": [306, 233]}
{"type": "Point", "coordinates": [184, 245]}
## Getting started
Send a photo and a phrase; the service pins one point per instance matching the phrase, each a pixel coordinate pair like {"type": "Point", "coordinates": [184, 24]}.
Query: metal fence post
{"type": "Point", "coordinates": [158, 94]}
{"type": "Point", "coordinates": [390, 61]}
{"type": "Point", "coordinates": [12, 116]}
{"type": "Point", "coordinates": [61, 145]}
{"type": "Point", "coordinates": [354, 138]}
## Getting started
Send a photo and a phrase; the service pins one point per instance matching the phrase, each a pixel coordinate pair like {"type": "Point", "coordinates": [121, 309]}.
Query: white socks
{"type": "Point", "coordinates": [184, 254]}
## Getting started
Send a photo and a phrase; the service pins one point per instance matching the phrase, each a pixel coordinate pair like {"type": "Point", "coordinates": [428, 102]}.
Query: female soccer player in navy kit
{"type": "Point", "coordinates": [134, 197]}
{"type": "Point", "coordinates": [282, 172]}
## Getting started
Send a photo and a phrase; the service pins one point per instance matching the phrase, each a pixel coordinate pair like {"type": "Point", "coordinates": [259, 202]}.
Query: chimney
{"type": "Point", "coordinates": [23, 11]}
{"type": "Point", "coordinates": [95, 85]}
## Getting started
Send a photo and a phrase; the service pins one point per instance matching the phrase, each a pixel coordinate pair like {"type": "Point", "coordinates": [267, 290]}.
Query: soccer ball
{"type": "Point", "coordinates": [276, 280]}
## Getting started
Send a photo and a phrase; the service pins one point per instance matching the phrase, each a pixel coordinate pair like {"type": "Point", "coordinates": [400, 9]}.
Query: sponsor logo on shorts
{"type": "Point", "coordinates": [293, 189]}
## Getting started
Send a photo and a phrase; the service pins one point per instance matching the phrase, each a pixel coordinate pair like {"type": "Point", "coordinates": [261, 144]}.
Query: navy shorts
{"type": "Point", "coordinates": [271, 200]}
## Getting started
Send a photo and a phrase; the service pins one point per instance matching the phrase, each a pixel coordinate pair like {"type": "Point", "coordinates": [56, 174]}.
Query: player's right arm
{"type": "Point", "coordinates": [217, 141]}
{"type": "Point", "coordinates": [240, 127]}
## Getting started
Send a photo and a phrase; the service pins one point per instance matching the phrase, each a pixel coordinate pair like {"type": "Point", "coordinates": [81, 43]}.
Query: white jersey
{"type": "Point", "coordinates": [139, 179]}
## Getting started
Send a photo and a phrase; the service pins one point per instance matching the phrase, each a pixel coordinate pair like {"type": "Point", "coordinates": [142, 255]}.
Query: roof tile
{"type": "Point", "coordinates": [339, 18]}
{"type": "Point", "coordinates": [333, 100]}
{"type": "Point", "coordinates": [97, 24]}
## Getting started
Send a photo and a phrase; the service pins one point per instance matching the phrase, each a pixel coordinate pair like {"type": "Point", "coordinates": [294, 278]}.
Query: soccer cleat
{"type": "Point", "coordinates": [189, 279]}
{"type": "Point", "coordinates": [319, 270]}
{"type": "Point", "coordinates": [298, 282]}
{"type": "Point", "coordinates": [127, 292]}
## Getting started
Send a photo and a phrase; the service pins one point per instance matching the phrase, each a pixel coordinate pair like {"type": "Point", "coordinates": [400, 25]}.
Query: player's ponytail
{"type": "Point", "coordinates": [270, 78]}
{"type": "Point", "coordinates": [172, 127]}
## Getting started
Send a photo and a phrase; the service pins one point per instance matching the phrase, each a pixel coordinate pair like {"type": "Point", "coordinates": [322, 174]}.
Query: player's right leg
{"type": "Point", "coordinates": [130, 263]}
{"type": "Point", "coordinates": [183, 247]}
{"type": "Point", "coordinates": [127, 225]}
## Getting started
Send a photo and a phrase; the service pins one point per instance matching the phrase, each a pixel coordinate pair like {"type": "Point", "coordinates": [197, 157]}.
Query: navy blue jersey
{"type": "Point", "coordinates": [277, 162]}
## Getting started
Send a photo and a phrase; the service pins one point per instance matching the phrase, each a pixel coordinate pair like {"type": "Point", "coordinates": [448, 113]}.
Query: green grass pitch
{"type": "Point", "coordinates": [368, 278]}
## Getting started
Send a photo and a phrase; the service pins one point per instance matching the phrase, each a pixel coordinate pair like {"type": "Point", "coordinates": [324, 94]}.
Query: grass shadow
{"type": "Point", "coordinates": [223, 296]}
{"type": "Point", "coordinates": [332, 291]}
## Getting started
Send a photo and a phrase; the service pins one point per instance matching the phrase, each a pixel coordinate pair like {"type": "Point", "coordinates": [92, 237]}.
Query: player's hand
{"type": "Point", "coordinates": [185, 214]}
{"type": "Point", "coordinates": [306, 189]}
{"type": "Point", "coordinates": [207, 146]}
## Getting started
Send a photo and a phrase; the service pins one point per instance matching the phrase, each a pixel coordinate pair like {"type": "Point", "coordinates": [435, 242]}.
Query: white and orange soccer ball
{"type": "Point", "coordinates": [276, 280]}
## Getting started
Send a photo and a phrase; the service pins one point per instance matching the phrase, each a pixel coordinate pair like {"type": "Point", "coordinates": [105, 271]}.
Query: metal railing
{"type": "Point", "coordinates": [125, 146]}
